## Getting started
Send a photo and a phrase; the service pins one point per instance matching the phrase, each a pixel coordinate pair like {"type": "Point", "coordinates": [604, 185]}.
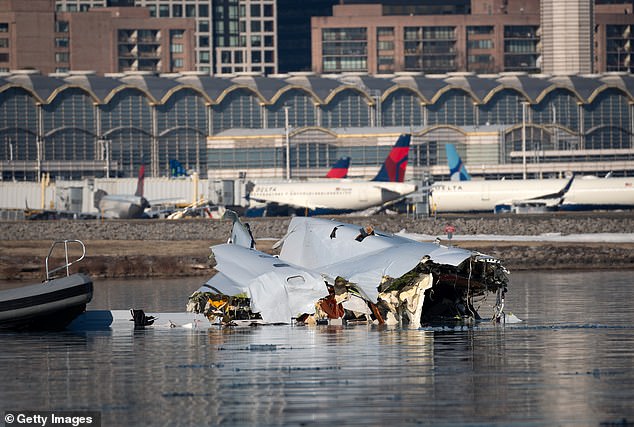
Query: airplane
{"type": "Point", "coordinates": [256, 208]}
{"type": "Point", "coordinates": [342, 196]}
{"type": "Point", "coordinates": [329, 270]}
{"type": "Point", "coordinates": [123, 206]}
{"type": "Point", "coordinates": [531, 195]}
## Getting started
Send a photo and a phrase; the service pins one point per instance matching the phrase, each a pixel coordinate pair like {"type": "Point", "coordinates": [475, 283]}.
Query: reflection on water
{"type": "Point", "coordinates": [569, 363]}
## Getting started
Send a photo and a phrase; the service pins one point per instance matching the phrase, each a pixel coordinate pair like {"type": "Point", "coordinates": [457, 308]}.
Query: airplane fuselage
{"type": "Point", "coordinates": [122, 206]}
{"type": "Point", "coordinates": [327, 195]}
{"type": "Point", "coordinates": [484, 196]}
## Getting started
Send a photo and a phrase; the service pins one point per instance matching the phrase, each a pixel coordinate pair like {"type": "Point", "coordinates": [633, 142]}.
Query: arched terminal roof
{"type": "Point", "coordinates": [159, 88]}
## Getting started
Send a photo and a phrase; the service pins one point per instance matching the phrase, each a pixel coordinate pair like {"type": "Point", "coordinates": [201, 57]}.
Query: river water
{"type": "Point", "coordinates": [569, 363]}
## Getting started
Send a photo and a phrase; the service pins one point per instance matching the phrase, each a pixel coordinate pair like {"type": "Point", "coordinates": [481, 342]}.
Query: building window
{"type": "Point", "coordinates": [203, 10]}
{"type": "Point", "coordinates": [256, 57]}
{"type": "Point", "coordinates": [385, 31]}
{"type": "Point", "coordinates": [268, 10]}
{"type": "Point", "coordinates": [4, 42]}
{"type": "Point", "coordinates": [268, 26]}
{"type": "Point", "coordinates": [61, 26]}
{"type": "Point", "coordinates": [61, 57]}
{"type": "Point", "coordinates": [204, 58]}
{"type": "Point", "coordinates": [344, 49]}
{"type": "Point", "coordinates": [4, 57]}
{"type": "Point", "coordinates": [480, 44]}
{"type": "Point", "coordinates": [203, 41]}
{"type": "Point", "coordinates": [256, 26]}
{"type": "Point", "coordinates": [190, 10]}
{"type": "Point", "coordinates": [203, 26]}
{"type": "Point", "coordinates": [177, 48]}
{"type": "Point", "coordinates": [152, 9]}
{"type": "Point", "coordinates": [479, 30]}
{"type": "Point", "coordinates": [268, 41]}
{"type": "Point", "coordinates": [164, 11]}
{"type": "Point", "coordinates": [61, 42]}
{"type": "Point", "coordinates": [4, 27]}
{"type": "Point", "coordinates": [255, 10]}
{"type": "Point", "coordinates": [177, 63]}
{"type": "Point", "coordinates": [177, 10]}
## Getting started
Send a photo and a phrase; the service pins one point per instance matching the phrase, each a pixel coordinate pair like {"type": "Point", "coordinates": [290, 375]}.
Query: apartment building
{"type": "Point", "coordinates": [105, 40]}
{"type": "Point", "coordinates": [230, 35]}
{"type": "Point", "coordinates": [480, 36]}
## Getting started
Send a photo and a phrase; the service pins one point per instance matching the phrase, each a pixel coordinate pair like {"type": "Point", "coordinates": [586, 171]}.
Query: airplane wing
{"type": "Point", "coordinates": [558, 195]}
{"type": "Point", "coordinates": [539, 203]}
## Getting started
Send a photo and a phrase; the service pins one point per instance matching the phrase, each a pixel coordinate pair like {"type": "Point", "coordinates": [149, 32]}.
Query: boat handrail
{"type": "Point", "coordinates": [67, 265]}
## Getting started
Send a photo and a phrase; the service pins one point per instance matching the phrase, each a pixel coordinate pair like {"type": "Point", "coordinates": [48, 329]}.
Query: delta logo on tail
{"type": "Point", "coordinates": [457, 169]}
{"type": "Point", "coordinates": [393, 169]}
{"type": "Point", "coordinates": [339, 169]}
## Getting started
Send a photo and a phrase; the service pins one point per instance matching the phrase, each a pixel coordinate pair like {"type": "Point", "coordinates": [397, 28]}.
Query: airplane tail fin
{"type": "Point", "coordinates": [340, 168]}
{"type": "Point", "coordinates": [97, 197]}
{"type": "Point", "coordinates": [139, 185]}
{"type": "Point", "coordinates": [240, 233]}
{"type": "Point", "coordinates": [177, 169]}
{"type": "Point", "coordinates": [393, 168]}
{"type": "Point", "coordinates": [457, 169]}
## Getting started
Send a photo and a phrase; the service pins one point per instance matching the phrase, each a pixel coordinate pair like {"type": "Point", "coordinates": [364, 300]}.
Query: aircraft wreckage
{"type": "Point", "coordinates": [329, 270]}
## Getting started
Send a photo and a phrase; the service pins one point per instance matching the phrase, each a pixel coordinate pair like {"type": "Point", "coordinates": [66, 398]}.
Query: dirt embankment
{"type": "Point", "coordinates": [161, 248]}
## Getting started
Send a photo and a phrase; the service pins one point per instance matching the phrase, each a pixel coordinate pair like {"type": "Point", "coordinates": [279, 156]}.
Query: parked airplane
{"type": "Point", "coordinates": [123, 206]}
{"type": "Point", "coordinates": [340, 196]}
{"type": "Point", "coordinates": [572, 194]}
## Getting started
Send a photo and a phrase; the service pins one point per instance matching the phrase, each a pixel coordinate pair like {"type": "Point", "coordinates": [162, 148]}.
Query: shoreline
{"type": "Point", "coordinates": [155, 248]}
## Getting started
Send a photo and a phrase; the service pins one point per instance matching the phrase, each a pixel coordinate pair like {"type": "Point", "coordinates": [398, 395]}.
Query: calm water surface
{"type": "Point", "coordinates": [570, 363]}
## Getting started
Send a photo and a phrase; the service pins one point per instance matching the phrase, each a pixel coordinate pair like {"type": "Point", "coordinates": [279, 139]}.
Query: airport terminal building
{"type": "Point", "coordinates": [79, 124]}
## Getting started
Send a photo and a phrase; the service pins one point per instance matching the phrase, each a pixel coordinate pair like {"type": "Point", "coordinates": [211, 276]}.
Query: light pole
{"type": "Point", "coordinates": [524, 103]}
{"type": "Point", "coordinates": [288, 144]}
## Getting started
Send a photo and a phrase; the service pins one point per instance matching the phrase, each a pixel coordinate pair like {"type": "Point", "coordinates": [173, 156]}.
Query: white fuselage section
{"type": "Point", "coordinates": [122, 206]}
{"type": "Point", "coordinates": [483, 196]}
{"type": "Point", "coordinates": [344, 195]}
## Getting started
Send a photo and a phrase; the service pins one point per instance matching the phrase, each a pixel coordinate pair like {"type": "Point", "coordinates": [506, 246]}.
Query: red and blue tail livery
{"type": "Point", "coordinates": [340, 168]}
{"type": "Point", "coordinates": [393, 168]}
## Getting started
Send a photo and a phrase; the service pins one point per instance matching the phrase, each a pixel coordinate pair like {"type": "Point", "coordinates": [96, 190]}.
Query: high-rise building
{"type": "Point", "coordinates": [567, 32]}
{"type": "Point", "coordinates": [231, 35]}
{"type": "Point", "coordinates": [244, 36]}
{"type": "Point", "coordinates": [293, 30]}
{"type": "Point", "coordinates": [26, 35]}
{"type": "Point", "coordinates": [105, 40]}
{"type": "Point", "coordinates": [480, 36]}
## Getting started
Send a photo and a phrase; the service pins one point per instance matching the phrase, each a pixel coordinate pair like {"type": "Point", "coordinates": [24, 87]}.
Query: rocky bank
{"type": "Point", "coordinates": [148, 248]}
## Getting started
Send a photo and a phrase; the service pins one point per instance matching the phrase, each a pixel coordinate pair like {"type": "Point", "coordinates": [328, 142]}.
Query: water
{"type": "Point", "coordinates": [570, 363]}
